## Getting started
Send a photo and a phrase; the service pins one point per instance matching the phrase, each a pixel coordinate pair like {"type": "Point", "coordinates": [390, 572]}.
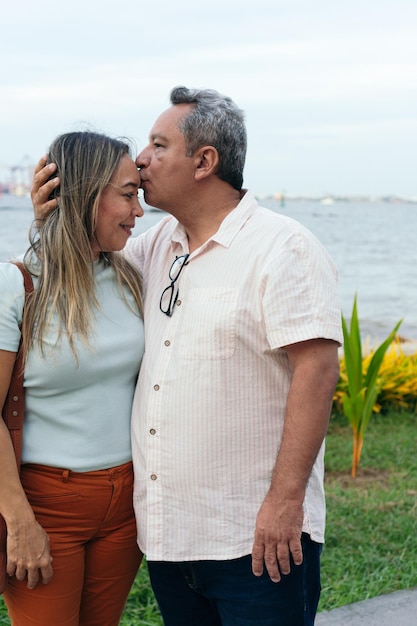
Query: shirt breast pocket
{"type": "Point", "coordinates": [208, 329]}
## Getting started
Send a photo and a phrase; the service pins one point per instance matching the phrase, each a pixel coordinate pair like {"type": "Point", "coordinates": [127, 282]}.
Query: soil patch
{"type": "Point", "coordinates": [364, 478]}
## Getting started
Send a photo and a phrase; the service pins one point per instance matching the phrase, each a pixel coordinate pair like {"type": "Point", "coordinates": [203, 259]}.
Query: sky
{"type": "Point", "coordinates": [329, 88]}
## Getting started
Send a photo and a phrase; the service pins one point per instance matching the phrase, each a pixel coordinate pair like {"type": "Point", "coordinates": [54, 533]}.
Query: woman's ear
{"type": "Point", "coordinates": [206, 162]}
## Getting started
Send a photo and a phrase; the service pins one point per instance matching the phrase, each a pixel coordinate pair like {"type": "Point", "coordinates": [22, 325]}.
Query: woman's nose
{"type": "Point", "coordinates": [138, 210]}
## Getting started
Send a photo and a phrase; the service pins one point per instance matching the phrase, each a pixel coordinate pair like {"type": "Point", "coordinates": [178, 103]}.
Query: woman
{"type": "Point", "coordinates": [72, 551]}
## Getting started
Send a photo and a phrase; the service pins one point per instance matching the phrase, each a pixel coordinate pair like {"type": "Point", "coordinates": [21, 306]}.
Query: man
{"type": "Point", "coordinates": [235, 390]}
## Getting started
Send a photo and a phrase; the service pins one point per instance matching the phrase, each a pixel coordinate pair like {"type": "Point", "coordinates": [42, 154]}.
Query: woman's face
{"type": "Point", "coordinates": [118, 208]}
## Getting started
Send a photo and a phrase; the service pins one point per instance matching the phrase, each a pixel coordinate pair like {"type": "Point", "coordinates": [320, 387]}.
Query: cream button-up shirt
{"type": "Point", "coordinates": [209, 406]}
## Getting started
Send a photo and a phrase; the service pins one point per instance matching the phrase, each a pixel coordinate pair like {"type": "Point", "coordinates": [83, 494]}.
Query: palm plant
{"type": "Point", "coordinates": [363, 386]}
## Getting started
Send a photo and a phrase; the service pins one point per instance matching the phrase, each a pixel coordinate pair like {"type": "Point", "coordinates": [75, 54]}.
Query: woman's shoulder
{"type": "Point", "coordinates": [11, 278]}
{"type": "Point", "coordinates": [11, 305]}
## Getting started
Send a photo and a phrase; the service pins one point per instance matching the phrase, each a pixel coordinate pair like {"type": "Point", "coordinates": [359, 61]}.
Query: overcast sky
{"type": "Point", "coordinates": [329, 87]}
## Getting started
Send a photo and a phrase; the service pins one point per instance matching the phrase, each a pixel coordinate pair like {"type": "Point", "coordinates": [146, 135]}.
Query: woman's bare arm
{"type": "Point", "coordinates": [27, 543]}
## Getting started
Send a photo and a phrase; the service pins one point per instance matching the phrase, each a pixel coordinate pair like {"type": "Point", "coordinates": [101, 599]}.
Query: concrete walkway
{"type": "Point", "coordinates": [393, 609]}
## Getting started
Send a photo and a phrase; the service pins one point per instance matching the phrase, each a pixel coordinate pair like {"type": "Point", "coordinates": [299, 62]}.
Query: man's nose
{"type": "Point", "coordinates": [142, 160]}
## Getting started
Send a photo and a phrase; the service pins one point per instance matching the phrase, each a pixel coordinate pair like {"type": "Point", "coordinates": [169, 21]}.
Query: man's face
{"type": "Point", "coordinates": [166, 173]}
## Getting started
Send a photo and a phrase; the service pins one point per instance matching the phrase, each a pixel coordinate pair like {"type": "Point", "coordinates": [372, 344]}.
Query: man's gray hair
{"type": "Point", "coordinates": [216, 121]}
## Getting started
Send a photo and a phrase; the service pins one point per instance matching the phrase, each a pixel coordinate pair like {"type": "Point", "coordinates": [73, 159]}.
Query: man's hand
{"type": "Point", "coordinates": [42, 187]}
{"type": "Point", "coordinates": [277, 537]}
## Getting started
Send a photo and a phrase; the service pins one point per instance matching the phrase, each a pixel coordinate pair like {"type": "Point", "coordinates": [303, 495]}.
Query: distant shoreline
{"type": "Point", "coordinates": [329, 199]}
{"type": "Point", "coordinates": [326, 199]}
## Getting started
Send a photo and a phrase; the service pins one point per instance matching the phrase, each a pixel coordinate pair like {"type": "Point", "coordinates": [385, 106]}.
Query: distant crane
{"type": "Point", "coordinates": [17, 179]}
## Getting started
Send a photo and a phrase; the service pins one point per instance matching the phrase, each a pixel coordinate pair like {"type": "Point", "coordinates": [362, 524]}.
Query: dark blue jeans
{"type": "Point", "coordinates": [226, 593]}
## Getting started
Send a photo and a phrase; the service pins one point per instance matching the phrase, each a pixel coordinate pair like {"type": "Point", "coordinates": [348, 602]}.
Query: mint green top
{"type": "Point", "coordinates": [77, 416]}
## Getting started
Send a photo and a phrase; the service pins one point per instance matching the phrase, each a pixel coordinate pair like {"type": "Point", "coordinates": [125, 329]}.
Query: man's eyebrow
{"type": "Point", "coordinates": [157, 136]}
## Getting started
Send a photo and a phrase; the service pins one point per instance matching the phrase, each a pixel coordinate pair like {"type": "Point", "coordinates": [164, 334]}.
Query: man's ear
{"type": "Point", "coordinates": [206, 162]}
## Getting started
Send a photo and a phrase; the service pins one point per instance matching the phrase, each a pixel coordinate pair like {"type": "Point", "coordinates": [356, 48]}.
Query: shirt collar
{"type": "Point", "coordinates": [230, 226]}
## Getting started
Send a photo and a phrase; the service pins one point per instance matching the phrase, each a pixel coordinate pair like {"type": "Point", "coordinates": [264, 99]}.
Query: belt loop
{"type": "Point", "coordinates": [65, 475]}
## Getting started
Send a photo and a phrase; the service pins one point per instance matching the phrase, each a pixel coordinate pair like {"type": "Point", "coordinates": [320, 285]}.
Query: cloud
{"type": "Point", "coordinates": [312, 77]}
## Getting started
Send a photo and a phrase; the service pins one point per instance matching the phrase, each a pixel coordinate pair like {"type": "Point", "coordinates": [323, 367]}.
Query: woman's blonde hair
{"type": "Point", "coordinates": [61, 249]}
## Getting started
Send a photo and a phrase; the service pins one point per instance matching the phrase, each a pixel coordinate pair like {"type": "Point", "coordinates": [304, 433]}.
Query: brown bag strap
{"type": "Point", "coordinates": [14, 406]}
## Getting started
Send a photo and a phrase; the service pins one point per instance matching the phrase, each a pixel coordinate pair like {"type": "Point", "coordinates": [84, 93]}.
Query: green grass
{"type": "Point", "coordinates": [371, 537]}
{"type": "Point", "coordinates": [141, 608]}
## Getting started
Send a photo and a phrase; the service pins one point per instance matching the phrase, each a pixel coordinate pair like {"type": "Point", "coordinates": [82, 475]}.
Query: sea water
{"type": "Point", "coordinates": [372, 243]}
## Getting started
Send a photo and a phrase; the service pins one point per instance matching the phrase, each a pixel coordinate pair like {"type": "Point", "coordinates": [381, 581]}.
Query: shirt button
{"type": "Point", "coordinates": [167, 343]}
{"type": "Point", "coordinates": [178, 303]}
{"type": "Point", "coordinates": [153, 476]}
{"type": "Point", "coordinates": [152, 431]}
{"type": "Point", "coordinates": [156, 387]}
{"type": "Point", "coordinates": [15, 398]}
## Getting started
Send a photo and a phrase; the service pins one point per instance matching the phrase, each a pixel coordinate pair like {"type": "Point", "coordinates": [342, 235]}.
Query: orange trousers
{"type": "Point", "coordinates": [90, 521]}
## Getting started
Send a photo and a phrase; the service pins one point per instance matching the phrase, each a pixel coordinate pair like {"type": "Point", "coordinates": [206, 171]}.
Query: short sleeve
{"type": "Point", "coordinates": [300, 298]}
{"type": "Point", "coordinates": [12, 295]}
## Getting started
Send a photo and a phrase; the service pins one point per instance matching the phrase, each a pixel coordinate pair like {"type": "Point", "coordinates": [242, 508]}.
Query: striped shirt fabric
{"type": "Point", "coordinates": [209, 406]}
